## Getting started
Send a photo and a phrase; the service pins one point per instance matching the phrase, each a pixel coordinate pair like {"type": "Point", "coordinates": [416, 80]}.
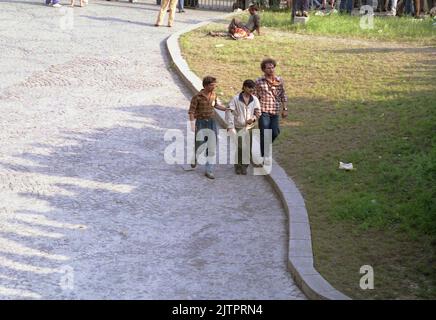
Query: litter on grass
{"type": "Point", "coordinates": [345, 166]}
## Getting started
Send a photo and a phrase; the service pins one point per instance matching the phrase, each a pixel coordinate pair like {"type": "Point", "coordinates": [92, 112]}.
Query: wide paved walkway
{"type": "Point", "coordinates": [88, 207]}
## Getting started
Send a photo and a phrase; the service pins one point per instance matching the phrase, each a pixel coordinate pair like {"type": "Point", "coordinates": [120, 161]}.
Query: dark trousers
{"type": "Point", "coordinates": [240, 4]}
{"type": "Point", "coordinates": [210, 124]}
{"type": "Point", "coordinates": [409, 7]}
{"type": "Point", "coordinates": [302, 5]}
{"type": "Point", "coordinates": [268, 121]}
{"type": "Point", "coordinates": [248, 141]}
{"type": "Point", "coordinates": [346, 5]}
{"type": "Point", "coordinates": [191, 3]}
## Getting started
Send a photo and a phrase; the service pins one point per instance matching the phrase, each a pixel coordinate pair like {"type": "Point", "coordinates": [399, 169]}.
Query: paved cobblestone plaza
{"type": "Point", "coordinates": [88, 207]}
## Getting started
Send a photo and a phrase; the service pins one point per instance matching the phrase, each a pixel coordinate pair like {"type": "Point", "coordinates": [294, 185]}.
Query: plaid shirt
{"type": "Point", "coordinates": [271, 96]}
{"type": "Point", "coordinates": [202, 107]}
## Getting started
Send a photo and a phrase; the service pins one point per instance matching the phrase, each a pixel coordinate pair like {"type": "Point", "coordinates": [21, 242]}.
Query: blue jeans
{"type": "Point", "coordinates": [315, 3]}
{"type": "Point", "coordinates": [302, 5]}
{"type": "Point", "coordinates": [180, 4]}
{"type": "Point", "coordinates": [47, 2]}
{"type": "Point", "coordinates": [409, 7]}
{"type": "Point", "coordinates": [206, 124]}
{"type": "Point", "coordinates": [268, 121]}
{"type": "Point", "coordinates": [245, 144]}
{"type": "Point", "coordinates": [346, 5]}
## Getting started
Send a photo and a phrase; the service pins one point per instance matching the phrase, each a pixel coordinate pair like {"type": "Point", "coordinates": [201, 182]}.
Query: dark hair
{"type": "Point", "coordinates": [249, 84]}
{"type": "Point", "coordinates": [267, 61]}
{"type": "Point", "coordinates": [208, 80]}
{"type": "Point", "coordinates": [253, 6]}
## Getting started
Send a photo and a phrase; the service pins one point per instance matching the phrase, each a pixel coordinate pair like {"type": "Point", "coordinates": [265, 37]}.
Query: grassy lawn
{"type": "Point", "coordinates": [366, 98]}
{"type": "Point", "coordinates": [405, 28]}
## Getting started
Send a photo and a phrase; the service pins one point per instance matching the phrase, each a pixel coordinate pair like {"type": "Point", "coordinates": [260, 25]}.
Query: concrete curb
{"type": "Point", "coordinates": [300, 255]}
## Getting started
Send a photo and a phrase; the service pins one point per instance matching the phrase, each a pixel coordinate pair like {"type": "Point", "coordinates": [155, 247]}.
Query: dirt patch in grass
{"type": "Point", "coordinates": [367, 102]}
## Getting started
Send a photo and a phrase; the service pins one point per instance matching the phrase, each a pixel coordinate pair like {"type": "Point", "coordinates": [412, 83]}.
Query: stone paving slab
{"type": "Point", "coordinates": [88, 207]}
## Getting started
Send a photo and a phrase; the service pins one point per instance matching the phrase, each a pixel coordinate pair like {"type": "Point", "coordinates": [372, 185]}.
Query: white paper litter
{"type": "Point", "coordinates": [345, 166]}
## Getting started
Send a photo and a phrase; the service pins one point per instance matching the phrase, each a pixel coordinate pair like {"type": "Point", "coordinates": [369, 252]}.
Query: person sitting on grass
{"type": "Point", "coordinates": [252, 24]}
{"type": "Point", "coordinates": [238, 30]}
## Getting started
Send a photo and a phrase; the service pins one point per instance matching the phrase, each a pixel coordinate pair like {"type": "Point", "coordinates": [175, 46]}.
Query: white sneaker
{"type": "Point", "coordinates": [57, 5]}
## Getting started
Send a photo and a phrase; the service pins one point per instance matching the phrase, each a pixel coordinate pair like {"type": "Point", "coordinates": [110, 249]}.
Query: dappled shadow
{"type": "Point", "coordinates": [106, 207]}
{"type": "Point", "coordinates": [117, 20]}
{"type": "Point", "coordinates": [92, 181]}
{"type": "Point", "coordinates": [127, 5]}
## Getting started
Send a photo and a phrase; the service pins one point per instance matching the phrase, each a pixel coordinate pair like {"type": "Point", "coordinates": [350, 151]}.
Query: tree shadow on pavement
{"type": "Point", "coordinates": [103, 216]}
{"type": "Point", "coordinates": [117, 20]}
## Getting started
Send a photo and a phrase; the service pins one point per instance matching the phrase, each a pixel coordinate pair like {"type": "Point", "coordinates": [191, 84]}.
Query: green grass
{"type": "Point", "coordinates": [371, 103]}
{"type": "Point", "coordinates": [384, 28]}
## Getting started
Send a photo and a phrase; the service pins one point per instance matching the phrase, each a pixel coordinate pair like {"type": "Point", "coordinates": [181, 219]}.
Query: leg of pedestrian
{"type": "Point", "coordinates": [161, 13]}
{"type": "Point", "coordinates": [172, 8]}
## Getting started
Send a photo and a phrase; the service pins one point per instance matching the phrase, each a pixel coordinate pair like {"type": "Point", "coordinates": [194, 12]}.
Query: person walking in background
{"type": "Point", "coordinates": [163, 8]}
{"type": "Point", "coordinates": [419, 6]}
{"type": "Point", "coordinates": [53, 3]}
{"type": "Point", "coordinates": [241, 116]}
{"type": "Point", "coordinates": [393, 11]}
{"type": "Point", "coordinates": [302, 8]}
{"type": "Point", "coordinates": [270, 91]}
{"type": "Point", "coordinates": [193, 4]}
{"type": "Point", "coordinates": [408, 7]}
{"type": "Point", "coordinates": [346, 5]}
{"type": "Point", "coordinates": [82, 3]}
{"type": "Point", "coordinates": [180, 6]}
{"type": "Point", "coordinates": [324, 5]}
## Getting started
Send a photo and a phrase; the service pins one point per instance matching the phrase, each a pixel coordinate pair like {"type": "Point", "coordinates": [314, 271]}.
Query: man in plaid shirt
{"type": "Point", "coordinates": [270, 91]}
{"type": "Point", "coordinates": [202, 117]}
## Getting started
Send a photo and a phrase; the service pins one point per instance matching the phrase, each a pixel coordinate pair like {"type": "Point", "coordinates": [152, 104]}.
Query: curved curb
{"type": "Point", "coordinates": [300, 255]}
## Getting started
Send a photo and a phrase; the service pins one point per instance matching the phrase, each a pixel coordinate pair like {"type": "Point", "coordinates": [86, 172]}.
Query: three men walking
{"type": "Point", "coordinates": [263, 100]}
